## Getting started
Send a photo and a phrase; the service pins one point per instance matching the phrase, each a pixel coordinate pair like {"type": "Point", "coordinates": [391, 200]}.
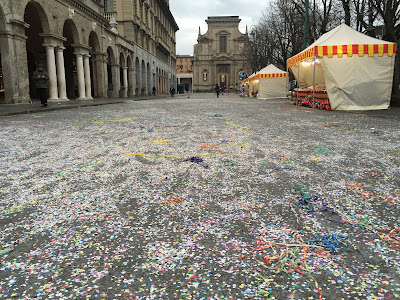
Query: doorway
{"type": "Point", "coordinates": [223, 81]}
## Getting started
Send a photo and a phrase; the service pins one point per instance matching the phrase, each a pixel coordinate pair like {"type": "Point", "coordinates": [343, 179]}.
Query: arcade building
{"type": "Point", "coordinates": [90, 48]}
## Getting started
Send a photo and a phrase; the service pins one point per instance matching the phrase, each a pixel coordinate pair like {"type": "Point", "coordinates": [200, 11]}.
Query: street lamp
{"type": "Point", "coordinates": [253, 33]}
{"type": "Point", "coordinates": [305, 39]}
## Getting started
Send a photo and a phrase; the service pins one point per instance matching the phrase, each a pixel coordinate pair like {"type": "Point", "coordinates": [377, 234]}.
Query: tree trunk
{"type": "Point", "coordinates": [346, 8]}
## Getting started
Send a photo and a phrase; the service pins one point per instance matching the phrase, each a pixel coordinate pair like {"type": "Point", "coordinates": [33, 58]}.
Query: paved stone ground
{"type": "Point", "coordinates": [200, 198]}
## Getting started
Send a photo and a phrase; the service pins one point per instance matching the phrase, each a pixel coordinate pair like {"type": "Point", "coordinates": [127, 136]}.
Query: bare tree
{"type": "Point", "coordinates": [347, 12]}
{"type": "Point", "coordinates": [389, 11]}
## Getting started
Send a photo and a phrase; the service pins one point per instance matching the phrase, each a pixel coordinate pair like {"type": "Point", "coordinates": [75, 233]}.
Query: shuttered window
{"type": "Point", "coordinates": [223, 44]}
{"type": "Point", "coordinates": [108, 6]}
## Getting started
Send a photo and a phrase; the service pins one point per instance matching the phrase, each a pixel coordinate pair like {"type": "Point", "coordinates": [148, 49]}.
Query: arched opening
{"type": "Point", "coordinates": [130, 79]}
{"type": "Point", "coordinates": [110, 63]}
{"type": "Point", "coordinates": [138, 85]}
{"type": "Point", "coordinates": [121, 74]}
{"type": "Point", "coordinates": [71, 34]}
{"type": "Point", "coordinates": [144, 81]}
{"type": "Point", "coordinates": [157, 81]}
{"type": "Point", "coordinates": [148, 79]}
{"type": "Point", "coordinates": [163, 82]}
{"type": "Point", "coordinates": [94, 45]}
{"type": "Point", "coordinates": [36, 53]}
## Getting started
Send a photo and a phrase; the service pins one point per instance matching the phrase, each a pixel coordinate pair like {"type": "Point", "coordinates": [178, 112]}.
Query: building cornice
{"type": "Point", "coordinates": [168, 13]}
{"type": "Point", "coordinates": [86, 9]}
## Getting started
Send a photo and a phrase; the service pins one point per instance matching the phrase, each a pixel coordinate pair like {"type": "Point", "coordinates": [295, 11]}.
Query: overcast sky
{"type": "Point", "coordinates": [190, 14]}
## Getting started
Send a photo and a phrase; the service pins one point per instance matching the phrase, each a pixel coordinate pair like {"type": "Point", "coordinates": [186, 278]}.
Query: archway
{"type": "Point", "coordinates": [110, 79]}
{"type": "Point", "coordinates": [36, 54]}
{"type": "Point", "coordinates": [71, 34]}
{"type": "Point", "coordinates": [148, 79]}
{"type": "Point", "coordinates": [94, 45]}
{"type": "Point", "coordinates": [122, 79]}
{"type": "Point", "coordinates": [130, 76]}
{"type": "Point", "coordinates": [138, 85]}
{"type": "Point", "coordinates": [163, 82]}
{"type": "Point", "coordinates": [144, 81]}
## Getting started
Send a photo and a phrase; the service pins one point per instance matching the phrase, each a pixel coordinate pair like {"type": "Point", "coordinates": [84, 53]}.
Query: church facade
{"type": "Point", "coordinates": [220, 55]}
{"type": "Point", "coordinates": [90, 48]}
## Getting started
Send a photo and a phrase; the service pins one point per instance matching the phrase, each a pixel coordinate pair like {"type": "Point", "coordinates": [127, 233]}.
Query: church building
{"type": "Point", "coordinates": [220, 55]}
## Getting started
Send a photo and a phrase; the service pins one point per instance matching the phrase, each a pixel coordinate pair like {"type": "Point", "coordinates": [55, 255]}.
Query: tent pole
{"type": "Point", "coordinates": [298, 80]}
{"type": "Point", "coordinates": [313, 93]}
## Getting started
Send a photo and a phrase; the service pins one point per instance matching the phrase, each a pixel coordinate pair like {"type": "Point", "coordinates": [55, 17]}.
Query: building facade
{"type": "Point", "coordinates": [184, 73]}
{"type": "Point", "coordinates": [87, 47]}
{"type": "Point", "coordinates": [219, 55]}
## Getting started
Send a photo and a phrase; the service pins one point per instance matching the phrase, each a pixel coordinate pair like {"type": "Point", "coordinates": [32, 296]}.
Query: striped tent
{"type": "Point", "coordinates": [271, 83]}
{"type": "Point", "coordinates": [356, 69]}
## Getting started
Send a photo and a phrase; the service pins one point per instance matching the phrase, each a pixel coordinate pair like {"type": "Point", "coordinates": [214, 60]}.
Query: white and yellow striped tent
{"type": "Point", "coordinates": [271, 83]}
{"type": "Point", "coordinates": [356, 69]}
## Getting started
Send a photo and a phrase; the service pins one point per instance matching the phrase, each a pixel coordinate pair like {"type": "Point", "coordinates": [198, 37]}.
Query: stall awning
{"type": "Point", "coordinates": [344, 40]}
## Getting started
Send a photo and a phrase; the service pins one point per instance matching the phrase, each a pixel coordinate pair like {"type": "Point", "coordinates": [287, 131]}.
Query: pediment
{"type": "Point", "coordinates": [223, 32]}
{"type": "Point", "coordinates": [223, 57]}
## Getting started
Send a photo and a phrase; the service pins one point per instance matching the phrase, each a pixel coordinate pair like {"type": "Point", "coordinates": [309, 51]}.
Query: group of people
{"type": "Point", "coordinates": [219, 90]}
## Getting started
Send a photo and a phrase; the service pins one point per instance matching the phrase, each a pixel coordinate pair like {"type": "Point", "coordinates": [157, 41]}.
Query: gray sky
{"type": "Point", "coordinates": [190, 14]}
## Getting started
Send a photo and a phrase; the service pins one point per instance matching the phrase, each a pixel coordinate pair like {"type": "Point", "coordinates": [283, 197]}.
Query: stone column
{"type": "Point", "coordinates": [88, 80]}
{"type": "Point", "coordinates": [52, 71]}
{"type": "Point", "coordinates": [125, 81]}
{"type": "Point", "coordinates": [131, 82]}
{"type": "Point", "coordinates": [104, 63]}
{"type": "Point", "coordinates": [116, 80]}
{"type": "Point", "coordinates": [15, 69]}
{"type": "Point", "coordinates": [81, 77]}
{"type": "Point", "coordinates": [62, 90]}
{"type": "Point", "coordinates": [15, 63]}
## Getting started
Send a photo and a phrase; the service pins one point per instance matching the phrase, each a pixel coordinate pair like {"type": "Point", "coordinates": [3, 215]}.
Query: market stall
{"type": "Point", "coordinates": [246, 86]}
{"type": "Point", "coordinates": [345, 70]}
{"type": "Point", "coordinates": [271, 82]}
{"type": "Point", "coordinates": [253, 84]}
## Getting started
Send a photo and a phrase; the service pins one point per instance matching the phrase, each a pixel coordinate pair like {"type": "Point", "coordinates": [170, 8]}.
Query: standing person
{"type": "Point", "coordinates": [172, 91]}
{"type": "Point", "coordinates": [217, 90]}
{"type": "Point", "coordinates": [154, 90]}
{"type": "Point", "coordinates": [41, 81]}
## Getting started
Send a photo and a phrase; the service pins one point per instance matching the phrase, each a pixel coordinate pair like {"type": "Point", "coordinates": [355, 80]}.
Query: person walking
{"type": "Point", "coordinates": [172, 91]}
{"type": "Point", "coordinates": [154, 90]}
{"type": "Point", "coordinates": [41, 79]}
{"type": "Point", "coordinates": [217, 90]}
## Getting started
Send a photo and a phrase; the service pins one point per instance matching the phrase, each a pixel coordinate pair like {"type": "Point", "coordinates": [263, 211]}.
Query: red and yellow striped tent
{"type": "Point", "coordinates": [270, 82]}
{"type": "Point", "coordinates": [356, 69]}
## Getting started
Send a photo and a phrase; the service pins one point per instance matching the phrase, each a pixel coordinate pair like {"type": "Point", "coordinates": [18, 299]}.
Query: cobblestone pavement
{"type": "Point", "coordinates": [200, 198]}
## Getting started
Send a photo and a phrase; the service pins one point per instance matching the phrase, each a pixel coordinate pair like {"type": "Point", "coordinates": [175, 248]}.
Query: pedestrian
{"type": "Point", "coordinates": [172, 91]}
{"type": "Point", "coordinates": [41, 79]}
{"type": "Point", "coordinates": [154, 90]}
{"type": "Point", "coordinates": [217, 90]}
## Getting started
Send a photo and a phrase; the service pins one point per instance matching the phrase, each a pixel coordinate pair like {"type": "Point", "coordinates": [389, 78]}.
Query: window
{"type": "Point", "coordinates": [108, 6]}
{"type": "Point", "coordinates": [222, 43]}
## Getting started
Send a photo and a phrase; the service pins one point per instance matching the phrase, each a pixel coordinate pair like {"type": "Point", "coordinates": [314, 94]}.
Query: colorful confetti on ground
{"type": "Point", "coordinates": [200, 198]}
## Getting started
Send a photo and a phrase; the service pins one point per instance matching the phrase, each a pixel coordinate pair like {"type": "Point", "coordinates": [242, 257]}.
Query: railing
{"type": "Point", "coordinates": [109, 15]}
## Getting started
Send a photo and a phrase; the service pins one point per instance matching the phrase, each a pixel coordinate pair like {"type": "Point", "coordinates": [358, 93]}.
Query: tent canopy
{"type": "Point", "coordinates": [271, 82]}
{"type": "Point", "coordinates": [344, 40]}
{"type": "Point", "coordinates": [357, 69]}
